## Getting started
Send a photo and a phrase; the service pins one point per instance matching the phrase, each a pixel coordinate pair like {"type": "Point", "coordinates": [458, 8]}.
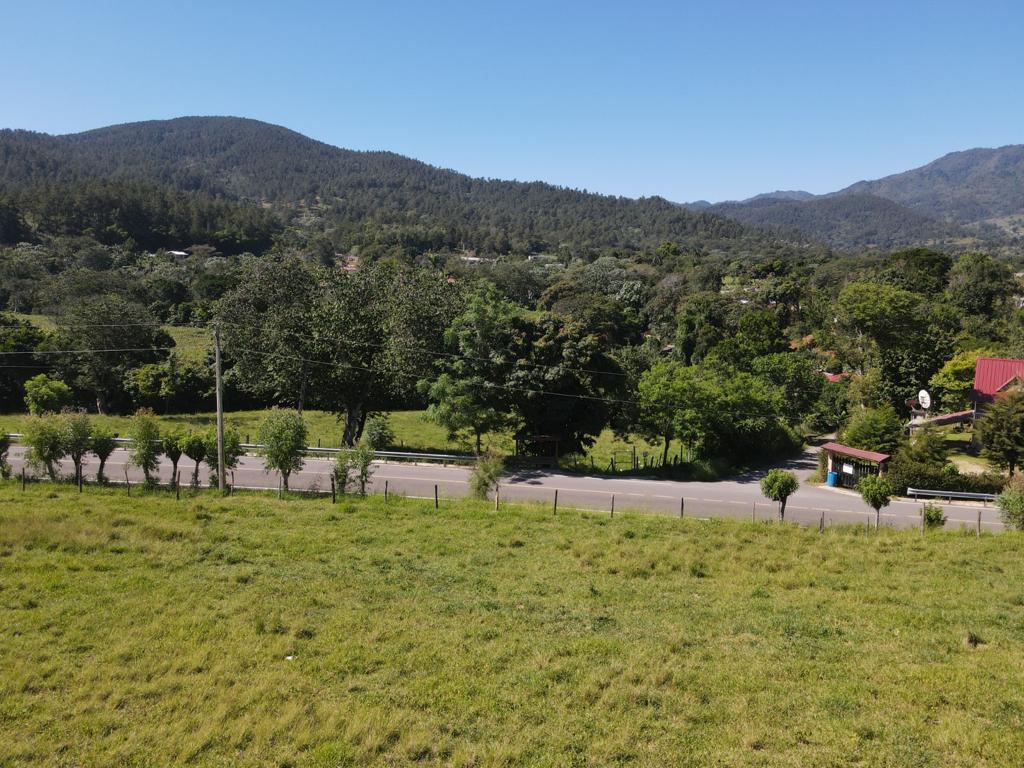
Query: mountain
{"type": "Point", "coordinates": [964, 199]}
{"type": "Point", "coordinates": [963, 187]}
{"type": "Point", "coordinates": [377, 198]}
{"type": "Point", "coordinates": [845, 221]}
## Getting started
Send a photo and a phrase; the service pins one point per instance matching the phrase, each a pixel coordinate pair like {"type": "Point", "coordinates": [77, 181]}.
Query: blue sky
{"type": "Point", "coordinates": [687, 100]}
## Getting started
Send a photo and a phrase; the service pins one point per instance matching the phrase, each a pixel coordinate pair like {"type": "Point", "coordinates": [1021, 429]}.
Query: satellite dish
{"type": "Point", "coordinates": [924, 399]}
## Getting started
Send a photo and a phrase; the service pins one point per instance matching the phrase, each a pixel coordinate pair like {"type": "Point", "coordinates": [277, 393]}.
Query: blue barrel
{"type": "Point", "coordinates": [833, 479]}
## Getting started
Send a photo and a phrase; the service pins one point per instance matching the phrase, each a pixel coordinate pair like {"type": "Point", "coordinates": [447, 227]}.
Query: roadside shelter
{"type": "Point", "coordinates": [847, 465]}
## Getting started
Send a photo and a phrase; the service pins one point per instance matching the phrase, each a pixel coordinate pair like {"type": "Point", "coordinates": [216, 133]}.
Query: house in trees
{"type": "Point", "coordinates": [994, 375]}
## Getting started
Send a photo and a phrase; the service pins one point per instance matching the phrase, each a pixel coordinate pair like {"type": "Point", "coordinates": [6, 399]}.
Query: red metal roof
{"type": "Point", "coordinates": [834, 377]}
{"type": "Point", "coordinates": [992, 374]}
{"type": "Point", "coordinates": [856, 453]}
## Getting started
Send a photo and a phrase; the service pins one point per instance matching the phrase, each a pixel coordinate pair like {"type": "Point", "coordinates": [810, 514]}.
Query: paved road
{"type": "Point", "coordinates": [738, 497]}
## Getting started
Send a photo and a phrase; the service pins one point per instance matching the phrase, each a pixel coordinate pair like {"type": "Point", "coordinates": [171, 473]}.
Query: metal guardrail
{"type": "Point", "coordinates": [963, 495]}
{"type": "Point", "coordinates": [453, 458]}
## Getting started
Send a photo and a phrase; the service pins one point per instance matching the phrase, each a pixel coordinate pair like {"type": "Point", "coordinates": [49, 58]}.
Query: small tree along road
{"type": "Point", "coordinates": [778, 485]}
{"type": "Point", "coordinates": [876, 492]}
{"type": "Point", "coordinates": [283, 435]}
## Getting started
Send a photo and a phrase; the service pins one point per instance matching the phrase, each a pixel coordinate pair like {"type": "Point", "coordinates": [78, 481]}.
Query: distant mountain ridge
{"type": "Point", "coordinates": [407, 202]}
{"type": "Point", "coordinates": [972, 196]}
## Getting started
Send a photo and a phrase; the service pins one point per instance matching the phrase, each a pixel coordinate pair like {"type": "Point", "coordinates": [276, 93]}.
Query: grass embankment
{"type": "Point", "coordinates": [251, 631]}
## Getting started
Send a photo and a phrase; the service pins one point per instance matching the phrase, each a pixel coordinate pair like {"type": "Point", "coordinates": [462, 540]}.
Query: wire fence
{"type": "Point", "coordinates": [612, 503]}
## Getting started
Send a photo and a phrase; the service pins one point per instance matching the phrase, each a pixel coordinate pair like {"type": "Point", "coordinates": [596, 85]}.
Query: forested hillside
{"type": "Point", "coordinates": [963, 187]}
{"type": "Point", "coordinates": [376, 200]}
{"type": "Point", "coordinates": [848, 221]}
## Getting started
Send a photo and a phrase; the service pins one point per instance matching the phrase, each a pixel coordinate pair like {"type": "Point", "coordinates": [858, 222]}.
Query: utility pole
{"type": "Point", "coordinates": [220, 407]}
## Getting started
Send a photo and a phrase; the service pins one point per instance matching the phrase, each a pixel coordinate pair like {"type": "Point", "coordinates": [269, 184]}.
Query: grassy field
{"type": "Point", "coordinates": [144, 631]}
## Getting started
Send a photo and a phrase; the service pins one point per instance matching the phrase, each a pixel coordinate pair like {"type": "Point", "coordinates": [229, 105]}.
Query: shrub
{"type": "Point", "coordinates": [174, 446]}
{"type": "Point", "coordinates": [194, 447]}
{"type": "Point", "coordinates": [44, 436]}
{"type": "Point", "coordinates": [77, 437]}
{"type": "Point", "coordinates": [486, 474]}
{"type": "Point", "coordinates": [5, 446]}
{"type": "Point", "coordinates": [102, 444]}
{"type": "Point", "coordinates": [934, 516]}
{"type": "Point", "coordinates": [232, 451]}
{"type": "Point", "coordinates": [378, 433]}
{"type": "Point", "coordinates": [1011, 504]}
{"type": "Point", "coordinates": [44, 394]}
{"type": "Point", "coordinates": [355, 466]}
{"type": "Point", "coordinates": [283, 435]}
{"type": "Point", "coordinates": [874, 429]}
{"type": "Point", "coordinates": [144, 453]}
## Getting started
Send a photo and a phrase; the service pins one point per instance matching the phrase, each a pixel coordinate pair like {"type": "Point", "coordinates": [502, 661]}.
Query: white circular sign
{"type": "Point", "coordinates": [924, 399]}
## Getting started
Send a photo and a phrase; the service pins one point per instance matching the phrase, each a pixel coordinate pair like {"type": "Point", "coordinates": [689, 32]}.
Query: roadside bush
{"type": "Point", "coordinates": [5, 446]}
{"type": "Point", "coordinates": [1011, 504]}
{"type": "Point", "coordinates": [195, 448]}
{"type": "Point", "coordinates": [283, 435]}
{"type": "Point", "coordinates": [378, 433]}
{"type": "Point", "coordinates": [486, 474]}
{"type": "Point", "coordinates": [44, 394]}
{"type": "Point", "coordinates": [44, 436]}
{"type": "Point", "coordinates": [173, 442]}
{"type": "Point", "coordinates": [232, 451]}
{"type": "Point", "coordinates": [77, 437]}
{"type": "Point", "coordinates": [355, 466]}
{"type": "Point", "coordinates": [145, 447]}
{"type": "Point", "coordinates": [934, 516]}
{"type": "Point", "coordinates": [905, 473]}
{"type": "Point", "coordinates": [102, 445]}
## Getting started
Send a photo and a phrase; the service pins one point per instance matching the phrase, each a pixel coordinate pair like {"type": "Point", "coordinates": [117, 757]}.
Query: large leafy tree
{"type": "Point", "coordinates": [268, 334]}
{"type": "Point", "coordinates": [21, 337]}
{"type": "Point", "coordinates": [100, 340]}
{"type": "Point", "coordinates": [1001, 430]}
{"type": "Point", "coordinates": [563, 384]}
{"type": "Point", "coordinates": [466, 397]}
{"type": "Point", "coordinates": [978, 284]}
{"type": "Point", "coordinates": [673, 405]}
{"type": "Point", "coordinates": [378, 332]}
{"type": "Point", "coordinates": [874, 429]}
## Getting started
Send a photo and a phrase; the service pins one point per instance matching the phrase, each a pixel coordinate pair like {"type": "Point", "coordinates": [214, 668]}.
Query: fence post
{"type": "Point", "coordinates": [435, 496]}
{"type": "Point", "coordinates": [922, 520]}
{"type": "Point", "coordinates": [753, 512]}
{"type": "Point", "coordinates": [613, 505]}
{"type": "Point", "coordinates": [497, 497]}
{"type": "Point", "coordinates": [556, 502]}
{"type": "Point", "coordinates": [979, 523]}
{"type": "Point", "coordinates": [177, 485]}
{"type": "Point", "coordinates": [385, 490]}
{"type": "Point", "coordinates": [127, 482]}
{"type": "Point", "coordinates": [821, 523]}
{"type": "Point", "coordinates": [682, 507]}
{"type": "Point", "coordinates": [22, 478]}
{"type": "Point", "coordinates": [634, 456]}
{"type": "Point", "coordinates": [80, 478]}
{"type": "Point", "coordinates": [280, 487]}
{"type": "Point", "coordinates": [231, 488]}
{"type": "Point", "coordinates": [334, 491]}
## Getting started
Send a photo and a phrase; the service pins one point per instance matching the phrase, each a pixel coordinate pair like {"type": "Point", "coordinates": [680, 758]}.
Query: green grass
{"type": "Point", "coordinates": [144, 631]}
